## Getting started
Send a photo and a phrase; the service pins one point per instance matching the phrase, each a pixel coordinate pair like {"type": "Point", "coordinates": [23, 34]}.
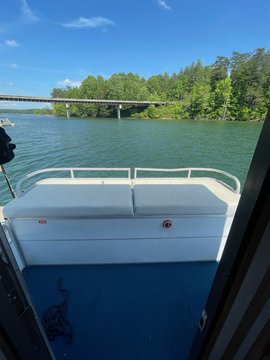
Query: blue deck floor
{"type": "Point", "coordinates": [121, 312]}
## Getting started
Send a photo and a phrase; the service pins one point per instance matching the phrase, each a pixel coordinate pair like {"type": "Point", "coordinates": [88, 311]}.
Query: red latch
{"type": "Point", "coordinates": [42, 221]}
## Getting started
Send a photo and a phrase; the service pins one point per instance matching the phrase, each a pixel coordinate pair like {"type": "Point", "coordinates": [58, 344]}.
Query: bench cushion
{"type": "Point", "coordinates": [70, 198]}
{"type": "Point", "coordinates": [199, 196]}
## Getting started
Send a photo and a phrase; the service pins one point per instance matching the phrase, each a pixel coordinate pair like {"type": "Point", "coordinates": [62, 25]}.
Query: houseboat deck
{"type": "Point", "coordinates": [132, 311]}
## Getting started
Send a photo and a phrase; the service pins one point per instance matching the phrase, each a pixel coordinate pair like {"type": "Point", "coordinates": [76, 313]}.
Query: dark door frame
{"type": "Point", "coordinates": [21, 335]}
{"type": "Point", "coordinates": [243, 275]}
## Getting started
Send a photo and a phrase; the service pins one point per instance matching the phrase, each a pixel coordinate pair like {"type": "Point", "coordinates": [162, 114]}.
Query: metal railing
{"type": "Point", "coordinates": [71, 172]}
{"type": "Point", "coordinates": [189, 174]}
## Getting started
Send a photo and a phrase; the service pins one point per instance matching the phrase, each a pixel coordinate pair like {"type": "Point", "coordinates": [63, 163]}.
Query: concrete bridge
{"type": "Point", "coordinates": [117, 103]}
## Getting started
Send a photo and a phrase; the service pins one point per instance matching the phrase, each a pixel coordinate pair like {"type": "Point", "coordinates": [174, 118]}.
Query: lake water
{"type": "Point", "coordinates": [47, 141]}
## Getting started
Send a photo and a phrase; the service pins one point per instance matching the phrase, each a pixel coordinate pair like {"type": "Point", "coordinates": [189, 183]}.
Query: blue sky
{"type": "Point", "coordinates": [47, 44]}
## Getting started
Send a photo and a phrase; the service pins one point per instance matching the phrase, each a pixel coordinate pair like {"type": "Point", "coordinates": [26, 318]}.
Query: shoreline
{"type": "Point", "coordinates": [132, 118]}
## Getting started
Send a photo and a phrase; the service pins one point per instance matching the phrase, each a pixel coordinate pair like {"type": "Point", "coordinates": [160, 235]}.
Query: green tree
{"type": "Point", "coordinates": [199, 101]}
{"type": "Point", "coordinates": [222, 97]}
{"type": "Point", "coordinates": [219, 71]}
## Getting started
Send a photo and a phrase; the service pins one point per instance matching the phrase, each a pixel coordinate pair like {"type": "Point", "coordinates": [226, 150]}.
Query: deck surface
{"type": "Point", "coordinates": [120, 312]}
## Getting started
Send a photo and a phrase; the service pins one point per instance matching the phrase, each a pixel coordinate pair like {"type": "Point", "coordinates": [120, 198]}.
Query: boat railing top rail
{"type": "Point", "coordinates": [189, 172]}
{"type": "Point", "coordinates": [71, 171]}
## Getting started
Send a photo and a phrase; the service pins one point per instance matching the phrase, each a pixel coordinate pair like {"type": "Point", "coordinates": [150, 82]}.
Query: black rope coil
{"type": "Point", "coordinates": [55, 317]}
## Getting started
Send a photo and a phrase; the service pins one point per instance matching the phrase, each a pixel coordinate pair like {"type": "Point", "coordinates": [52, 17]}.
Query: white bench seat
{"type": "Point", "coordinates": [82, 198]}
{"type": "Point", "coordinates": [96, 221]}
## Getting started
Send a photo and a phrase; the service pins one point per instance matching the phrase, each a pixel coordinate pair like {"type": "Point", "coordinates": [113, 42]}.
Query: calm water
{"type": "Point", "coordinates": [47, 141]}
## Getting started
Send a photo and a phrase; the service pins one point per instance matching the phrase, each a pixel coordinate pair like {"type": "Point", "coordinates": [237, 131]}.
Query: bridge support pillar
{"type": "Point", "coordinates": [67, 107]}
{"type": "Point", "coordinates": [118, 109]}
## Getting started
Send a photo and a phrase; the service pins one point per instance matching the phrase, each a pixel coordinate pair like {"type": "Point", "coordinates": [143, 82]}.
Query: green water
{"type": "Point", "coordinates": [47, 141]}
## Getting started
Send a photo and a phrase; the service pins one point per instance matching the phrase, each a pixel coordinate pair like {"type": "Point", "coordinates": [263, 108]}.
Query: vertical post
{"type": "Point", "coordinates": [118, 109]}
{"type": "Point", "coordinates": [8, 182]}
{"type": "Point", "coordinates": [67, 107]}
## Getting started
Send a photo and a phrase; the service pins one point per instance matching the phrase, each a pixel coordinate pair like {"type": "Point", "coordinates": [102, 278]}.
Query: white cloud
{"type": "Point", "coordinates": [11, 43]}
{"type": "Point", "coordinates": [89, 23]}
{"type": "Point", "coordinates": [14, 66]}
{"type": "Point", "coordinates": [164, 5]}
{"type": "Point", "coordinates": [69, 83]}
{"type": "Point", "coordinates": [28, 13]}
{"type": "Point", "coordinates": [10, 83]}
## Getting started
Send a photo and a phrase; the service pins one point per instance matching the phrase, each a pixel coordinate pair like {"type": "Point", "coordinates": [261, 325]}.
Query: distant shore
{"type": "Point", "coordinates": [41, 112]}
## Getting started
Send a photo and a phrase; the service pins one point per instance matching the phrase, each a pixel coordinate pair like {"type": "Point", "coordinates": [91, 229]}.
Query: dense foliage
{"type": "Point", "coordinates": [17, 111]}
{"type": "Point", "coordinates": [45, 111]}
{"type": "Point", "coordinates": [235, 88]}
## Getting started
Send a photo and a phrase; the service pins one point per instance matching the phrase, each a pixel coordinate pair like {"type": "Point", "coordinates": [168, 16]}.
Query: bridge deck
{"type": "Point", "coordinates": [80, 101]}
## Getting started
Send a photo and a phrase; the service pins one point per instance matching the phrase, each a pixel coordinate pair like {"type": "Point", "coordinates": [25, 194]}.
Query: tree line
{"type": "Point", "coordinates": [233, 88]}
